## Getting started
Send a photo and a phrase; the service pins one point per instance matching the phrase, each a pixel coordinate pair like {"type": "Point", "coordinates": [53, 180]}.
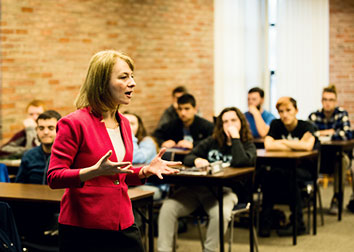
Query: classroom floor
{"type": "Point", "coordinates": [333, 236]}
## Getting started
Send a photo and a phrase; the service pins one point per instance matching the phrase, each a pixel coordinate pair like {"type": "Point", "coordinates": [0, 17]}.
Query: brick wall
{"type": "Point", "coordinates": [46, 46]}
{"type": "Point", "coordinates": [342, 52]}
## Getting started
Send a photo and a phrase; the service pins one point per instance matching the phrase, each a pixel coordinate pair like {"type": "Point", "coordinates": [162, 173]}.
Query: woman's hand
{"type": "Point", "coordinates": [232, 132]}
{"type": "Point", "coordinates": [158, 167]}
{"type": "Point", "coordinates": [106, 167]}
{"type": "Point", "coordinates": [201, 162]}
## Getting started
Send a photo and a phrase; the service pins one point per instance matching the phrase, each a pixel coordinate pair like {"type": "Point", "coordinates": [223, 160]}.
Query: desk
{"type": "Point", "coordinates": [289, 159]}
{"type": "Point", "coordinates": [12, 165]}
{"type": "Point", "coordinates": [43, 194]}
{"type": "Point", "coordinates": [219, 180]}
{"type": "Point", "coordinates": [338, 147]}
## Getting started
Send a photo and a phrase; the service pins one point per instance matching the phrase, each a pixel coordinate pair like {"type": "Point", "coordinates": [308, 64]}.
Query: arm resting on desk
{"type": "Point", "coordinates": [306, 143]}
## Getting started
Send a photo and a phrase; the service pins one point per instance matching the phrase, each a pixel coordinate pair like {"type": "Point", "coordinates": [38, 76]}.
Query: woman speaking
{"type": "Point", "coordinates": [91, 158]}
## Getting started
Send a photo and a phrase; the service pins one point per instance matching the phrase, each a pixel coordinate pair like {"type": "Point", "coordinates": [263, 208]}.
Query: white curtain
{"type": "Point", "coordinates": [240, 61]}
{"type": "Point", "coordinates": [302, 52]}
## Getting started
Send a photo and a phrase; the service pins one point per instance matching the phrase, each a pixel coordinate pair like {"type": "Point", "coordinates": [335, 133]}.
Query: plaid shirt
{"type": "Point", "coordinates": [339, 121]}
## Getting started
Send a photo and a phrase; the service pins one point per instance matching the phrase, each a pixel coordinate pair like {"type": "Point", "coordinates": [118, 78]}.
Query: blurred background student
{"type": "Point", "coordinates": [26, 138]}
{"type": "Point", "coordinates": [145, 149]}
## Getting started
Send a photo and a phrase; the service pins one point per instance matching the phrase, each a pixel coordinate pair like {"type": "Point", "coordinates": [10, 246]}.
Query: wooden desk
{"type": "Point", "coordinates": [219, 180]}
{"type": "Point", "coordinates": [338, 147]}
{"type": "Point", "coordinates": [43, 194]}
{"type": "Point", "coordinates": [290, 159]}
{"type": "Point", "coordinates": [12, 165]}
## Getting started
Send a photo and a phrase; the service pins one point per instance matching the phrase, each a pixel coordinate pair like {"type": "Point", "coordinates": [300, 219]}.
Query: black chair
{"type": "Point", "coordinates": [9, 237]}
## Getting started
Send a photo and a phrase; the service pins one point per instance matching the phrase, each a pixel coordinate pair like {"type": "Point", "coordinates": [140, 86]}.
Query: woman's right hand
{"type": "Point", "coordinates": [106, 167]}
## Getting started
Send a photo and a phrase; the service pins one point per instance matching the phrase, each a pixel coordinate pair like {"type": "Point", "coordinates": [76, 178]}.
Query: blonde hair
{"type": "Point", "coordinates": [94, 92]}
{"type": "Point", "coordinates": [36, 103]}
{"type": "Point", "coordinates": [330, 89]}
{"type": "Point", "coordinates": [286, 100]}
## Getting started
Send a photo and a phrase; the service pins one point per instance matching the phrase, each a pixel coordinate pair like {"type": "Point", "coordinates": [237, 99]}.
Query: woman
{"type": "Point", "coordinates": [91, 158]}
{"type": "Point", "coordinates": [145, 147]}
{"type": "Point", "coordinates": [230, 142]}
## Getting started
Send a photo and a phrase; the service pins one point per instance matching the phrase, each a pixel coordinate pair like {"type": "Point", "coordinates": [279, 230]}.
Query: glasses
{"type": "Point", "coordinates": [328, 100]}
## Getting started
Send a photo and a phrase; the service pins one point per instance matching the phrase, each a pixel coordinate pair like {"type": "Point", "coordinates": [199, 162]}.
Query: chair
{"type": "Point", "coordinates": [199, 215]}
{"type": "Point", "coordinates": [9, 237]}
{"type": "Point", "coordinates": [308, 197]}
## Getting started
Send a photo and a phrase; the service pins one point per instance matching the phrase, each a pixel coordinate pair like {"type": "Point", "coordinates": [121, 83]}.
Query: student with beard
{"type": "Point", "coordinates": [258, 118]}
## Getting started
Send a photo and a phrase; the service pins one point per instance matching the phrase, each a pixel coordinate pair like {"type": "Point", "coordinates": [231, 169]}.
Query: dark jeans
{"type": "Point", "coordinates": [277, 188]}
{"type": "Point", "coordinates": [74, 239]}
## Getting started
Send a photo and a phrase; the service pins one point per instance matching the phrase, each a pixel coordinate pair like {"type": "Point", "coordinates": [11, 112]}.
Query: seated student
{"type": "Point", "coordinates": [145, 149]}
{"type": "Point", "coordinates": [35, 161]}
{"type": "Point", "coordinates": [230, 142]}
{"type": "Point", "coordinates": [170, 113]}
{"type": "Point", "coordinates": [26, 138]}
{"type": "Point", "coordinates": [285, 134]}
{"type": "Point", "coordinates": [187, 130]}
{"type": "Point", "coordinates": [333, 124]}
{"type": "Point", "coordinates": [257, 117]}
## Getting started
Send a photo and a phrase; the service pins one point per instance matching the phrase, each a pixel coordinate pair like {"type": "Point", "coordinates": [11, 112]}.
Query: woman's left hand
{"type": "Point", "coordinates": [158, 166]}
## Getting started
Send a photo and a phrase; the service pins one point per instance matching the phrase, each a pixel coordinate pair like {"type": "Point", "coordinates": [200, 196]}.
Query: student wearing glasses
{"type": "Point", "coordinates": [333, 123]}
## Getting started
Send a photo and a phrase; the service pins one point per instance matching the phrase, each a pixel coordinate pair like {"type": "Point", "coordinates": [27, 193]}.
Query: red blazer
{"type": "Point", "coordinates": [102, 202]}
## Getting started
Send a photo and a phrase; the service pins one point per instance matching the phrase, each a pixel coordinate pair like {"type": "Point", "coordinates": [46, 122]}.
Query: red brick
{"type": "Point", "coordinates": [47, 75]}
{"type": "Point", "coordinates": [27, 9]}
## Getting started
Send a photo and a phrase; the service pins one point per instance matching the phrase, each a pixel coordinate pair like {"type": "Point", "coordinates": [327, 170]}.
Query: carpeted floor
{"type": "Point", "coordinates": [333, 236]}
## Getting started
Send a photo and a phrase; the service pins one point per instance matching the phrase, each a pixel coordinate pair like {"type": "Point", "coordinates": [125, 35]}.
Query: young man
{"type": "Point", "coordinates": [34, 162]}
{"type": "Point", "coordinates": [333, 124]}
{"type": "Point", "coordinates": [187, 130]}
{"type": "Point", "coordinates": [258, 118]}
{"type": "Point", "coordinates": [26, 138]}
{"type": "Point", "coordinates": [285, 134]}
{"type": "Point", "coordinates": [170, 113]}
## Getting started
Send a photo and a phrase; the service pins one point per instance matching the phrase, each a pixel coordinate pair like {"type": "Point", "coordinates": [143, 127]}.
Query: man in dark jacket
{"type": "Point", "coordinates": [187, 130]}
{"type": "Point", "coordinates": [34, 162]}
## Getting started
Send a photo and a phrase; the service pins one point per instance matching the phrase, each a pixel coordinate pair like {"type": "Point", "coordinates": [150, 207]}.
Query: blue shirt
{"type": "Point", "coordinates": [339, 121]}
{"type": "Point", "coordinates": [145, 151]}
{"type": "Point", "coordinates": [267, 118]}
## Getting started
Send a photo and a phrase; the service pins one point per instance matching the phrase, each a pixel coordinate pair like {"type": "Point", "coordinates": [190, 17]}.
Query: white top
{"type": "Point", "coordinates": [117, 142]}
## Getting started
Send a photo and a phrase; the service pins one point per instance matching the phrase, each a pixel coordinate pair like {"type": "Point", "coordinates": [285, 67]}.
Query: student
{"type": "Point", "coordinates": [91, 158]}
{"type": "Point", "coordinates": [170, 113]}
{"type": "Point", "coordinates": [145, 149]}
{"type": "Point", "coordinates": [333, 123]}
{"type": "Point", "coordinates": [285, 134]}
{"type": "Point", "coordinates": [231, 142]}
{"type": "Point", "coordinates": [187, 130]}
{"type": "Point", "coordinates": [26, 138]}
{"type": "Point", "coordinates": [34, 162]}
{"type": "Point", "coordinates": [258, 118]}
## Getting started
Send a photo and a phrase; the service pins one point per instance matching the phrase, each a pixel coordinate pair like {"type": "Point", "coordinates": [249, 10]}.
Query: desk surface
{"type": "Point", "coordinates": [42, 193]}
{"type": "Point", "coordinates": [339, 143]}
{"type": "Point", "coordinates": [262, 153]}
{"type": "Point", "coordinates": [11, 162]}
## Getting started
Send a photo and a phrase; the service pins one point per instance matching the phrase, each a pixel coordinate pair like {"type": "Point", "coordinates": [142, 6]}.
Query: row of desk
{"type": "Point", "coordinates": [37, 193]}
